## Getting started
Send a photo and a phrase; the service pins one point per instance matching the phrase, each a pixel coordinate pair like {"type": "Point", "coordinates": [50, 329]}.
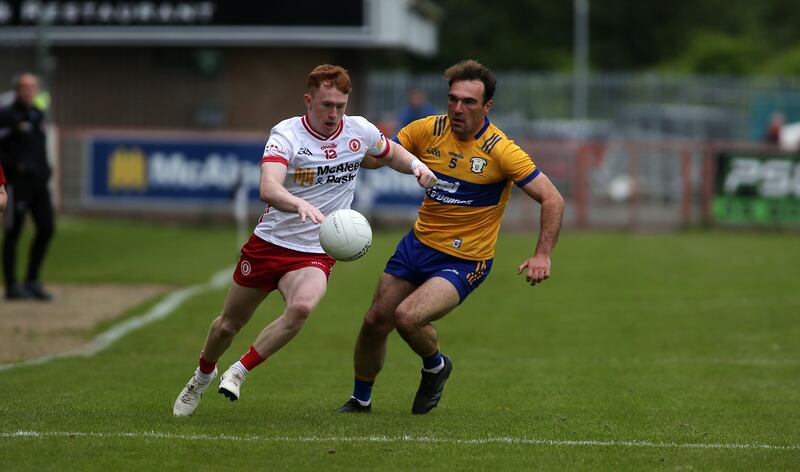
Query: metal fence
{"type": "Point", "coordinates": [643, 159]}
{"type": "Point", "coordinates": [646, 155]}
{"type": "Point", "coordinates": [658, 106]}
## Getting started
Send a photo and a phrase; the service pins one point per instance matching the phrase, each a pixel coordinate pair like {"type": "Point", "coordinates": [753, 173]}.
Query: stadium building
{"type": "Point", "coordinates": [164, 106]}
{"type": "Point", "coordinates": [232, 64]}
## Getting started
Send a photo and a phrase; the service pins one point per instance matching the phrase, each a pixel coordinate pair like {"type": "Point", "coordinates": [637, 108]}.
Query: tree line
{"type": "Point", "coordinates": [725, 37]}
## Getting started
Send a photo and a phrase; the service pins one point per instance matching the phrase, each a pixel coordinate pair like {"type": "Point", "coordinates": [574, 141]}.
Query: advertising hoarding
{"type": "Point", "coordinates": [757, 189]}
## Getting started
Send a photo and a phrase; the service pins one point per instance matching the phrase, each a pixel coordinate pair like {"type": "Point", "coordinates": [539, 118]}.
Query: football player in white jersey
{"type": "Point", "coordinates": [308, 170]}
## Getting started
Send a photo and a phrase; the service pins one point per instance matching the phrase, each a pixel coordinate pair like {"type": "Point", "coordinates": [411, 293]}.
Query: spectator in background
{"type": "Point", "coordinates": [3, 196]}
{"type": "Point", "coordinates": [772, 135]}
{"type": "Point", "coordinates": [416, 108]}
{"type": "Point", "coordinates": [23, 155]}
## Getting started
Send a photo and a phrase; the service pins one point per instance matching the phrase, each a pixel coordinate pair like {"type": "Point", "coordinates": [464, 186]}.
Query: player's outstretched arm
{"type": "Point", "coordinates": [399, 159]}
{"type": "Point", "coordinates": [370, 162]}
{"type": "Point", "coordinates": [543, 191]}
{"type": "Point", "coordinates": [274, 194]}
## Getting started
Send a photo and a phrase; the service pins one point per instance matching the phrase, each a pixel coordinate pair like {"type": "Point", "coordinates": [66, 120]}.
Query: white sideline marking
{"type": "Point", "coordinates": [399, 439]}
{"type": "Point", "coordinates": [160, 310]}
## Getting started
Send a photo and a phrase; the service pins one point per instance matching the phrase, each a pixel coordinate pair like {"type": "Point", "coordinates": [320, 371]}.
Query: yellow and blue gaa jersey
{"type": "Point", "coordinates": [461, 214]}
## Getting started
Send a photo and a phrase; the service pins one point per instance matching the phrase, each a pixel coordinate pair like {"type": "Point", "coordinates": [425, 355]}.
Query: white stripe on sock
{"type": "Point", "coordinates": [436, 369]}
{"type": "Point", "coordinates": [240, 367]}
{"type": "Point", "coordinates": [366, 403]}
{"type": "Point", "coordinates": [203, 377]}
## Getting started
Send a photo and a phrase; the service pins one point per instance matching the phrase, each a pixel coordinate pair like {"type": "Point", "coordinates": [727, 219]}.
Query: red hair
{"type": "Point", "coordinates": [330, 76]}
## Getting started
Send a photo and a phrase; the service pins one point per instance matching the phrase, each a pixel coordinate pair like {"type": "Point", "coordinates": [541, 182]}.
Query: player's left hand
{"type": "Point", "coordinates": [425, 178]}
{"type": "Point", "coordinates": [538, 269]}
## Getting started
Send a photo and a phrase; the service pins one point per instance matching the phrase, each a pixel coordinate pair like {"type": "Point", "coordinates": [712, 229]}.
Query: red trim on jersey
{"type": "Point", "coordinates": [385, 151]}
{"type": "Point", "coordinates": [310, 131]}
{"type": "Point", "coordinates": [314, 134]}
{"type": "Point", "coordinates": [280, 159]}
{"type": "Point", "coordinates": [338, 131]}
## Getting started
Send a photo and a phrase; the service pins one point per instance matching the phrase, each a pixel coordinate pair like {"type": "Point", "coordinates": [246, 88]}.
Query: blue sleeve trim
{"type": "Point", "coordinates": [527, 179]}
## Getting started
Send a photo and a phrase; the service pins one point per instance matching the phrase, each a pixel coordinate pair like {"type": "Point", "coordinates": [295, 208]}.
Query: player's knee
{"type": "Point", "coordinates": [299, 311]}
{"type": "Point", "coordinates": [377, 322]}
{"type": "Point", "coordinates": [226, 327]}
{"type": "Point", "coordinates": [405, 319]}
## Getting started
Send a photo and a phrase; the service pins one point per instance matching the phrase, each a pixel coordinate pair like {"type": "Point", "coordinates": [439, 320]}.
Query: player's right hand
{"type": "Point", "coordinates": [309, 211]}
{"type": "Point", "coordinates": [538, 269]}
{"type": "Point", "coordinates": [425, 177]}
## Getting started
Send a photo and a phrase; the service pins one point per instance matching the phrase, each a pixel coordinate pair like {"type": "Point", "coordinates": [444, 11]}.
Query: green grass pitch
{"type": "Point", "coordinates": [642, 352]}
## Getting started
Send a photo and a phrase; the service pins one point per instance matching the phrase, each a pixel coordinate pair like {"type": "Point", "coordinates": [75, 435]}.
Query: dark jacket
{"type": "Point", "coordinates": [23, 145]}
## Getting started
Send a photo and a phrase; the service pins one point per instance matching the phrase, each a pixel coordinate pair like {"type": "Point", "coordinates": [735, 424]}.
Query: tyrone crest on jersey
{"type": "Point", "coordinates": [354, 145]}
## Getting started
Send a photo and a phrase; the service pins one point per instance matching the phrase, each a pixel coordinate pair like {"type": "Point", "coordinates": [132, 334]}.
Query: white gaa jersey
{"type": "Point", "coordinates": [320, 170]}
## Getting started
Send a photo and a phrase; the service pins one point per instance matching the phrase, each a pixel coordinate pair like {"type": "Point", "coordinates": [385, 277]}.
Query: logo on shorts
{"type": "Point", "coordinates": [246, 268]}
{"type": "Point", "coordinates": [457, 243]}
{"type": "Point", "coordinates": [354, 145]}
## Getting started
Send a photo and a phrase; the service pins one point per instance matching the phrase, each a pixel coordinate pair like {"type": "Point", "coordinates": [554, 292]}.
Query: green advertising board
{"type": "Point", "coordinates": [757, 189]}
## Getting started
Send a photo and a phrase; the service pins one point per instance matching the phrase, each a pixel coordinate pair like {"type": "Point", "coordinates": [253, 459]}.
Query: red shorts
{"type": "Point", "coordinates": [263, 264]}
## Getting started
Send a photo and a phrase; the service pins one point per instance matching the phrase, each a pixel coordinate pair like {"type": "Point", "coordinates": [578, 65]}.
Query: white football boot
{"type": "Point", "coordinates": [231, 381]}
{"type": "Point", "coordinates": [189, 398]}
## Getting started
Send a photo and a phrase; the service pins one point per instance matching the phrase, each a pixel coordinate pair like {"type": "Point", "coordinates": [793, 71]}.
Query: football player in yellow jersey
{"type": "Point", "coordinates": [449, 251]}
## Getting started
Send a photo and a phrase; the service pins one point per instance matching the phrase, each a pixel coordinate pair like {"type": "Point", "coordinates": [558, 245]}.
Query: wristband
{"type": "Point", "coordinates": [415, 163]}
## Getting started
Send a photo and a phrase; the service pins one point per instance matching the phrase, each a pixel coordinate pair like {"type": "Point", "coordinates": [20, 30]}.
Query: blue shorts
{"type": "Point", "coordinates": [416, 262]}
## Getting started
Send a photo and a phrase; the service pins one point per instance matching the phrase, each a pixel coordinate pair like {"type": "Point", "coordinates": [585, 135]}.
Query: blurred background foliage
{"type": "Point", "coordinates": [726, 37]}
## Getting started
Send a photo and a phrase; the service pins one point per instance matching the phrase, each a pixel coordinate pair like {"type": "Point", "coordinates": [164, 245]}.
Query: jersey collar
{"type": "Point", "coordinates": [307, 125]}
{"type": "Point", "coordinates": [483, 128]}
